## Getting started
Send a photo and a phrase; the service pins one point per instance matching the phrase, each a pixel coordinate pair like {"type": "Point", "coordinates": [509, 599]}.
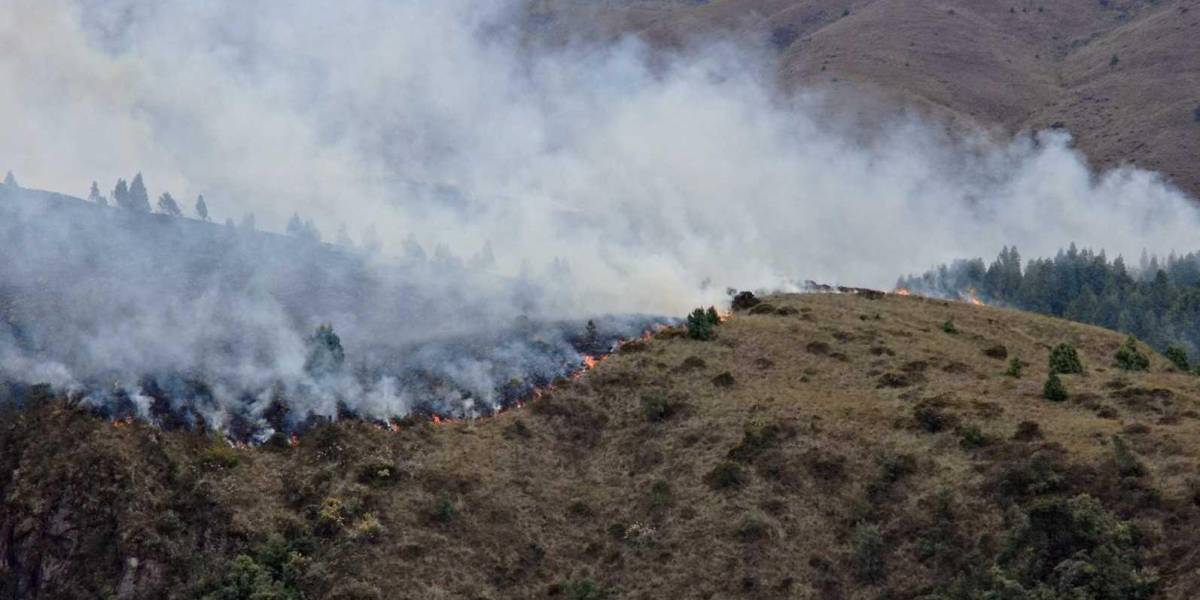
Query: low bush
{"type": "Point", "coordinates": [273, 571]}
{"type": "Point", "coordinates": [726, 476]}
{"type": "Point", "coordinates": [1127, 462]}
{"type": "Point", "coordinates": [1130, 358]}
{"type": "Point", "coordinates": [1178, 357]}
{"type": "Point", "coordinates": [752, 528]}
{"type": "Point", "coordinates": [443, 508]}
{"type": "Point", "coordinates": [931, 418]}
{"type": "Point", "coordinates": [659, 497]}
{"type": "Point", "coordinates": [755, 440]}
{"type": "Point", "coordinates": [971, 437]}
{"type": "Point", "coordinates": [1064, 359]}
{"type": "Point", "coordinates": [866, 551]}
{"type": "Point", "coordinates": [368, 528]}
{"type": "Point", "coordinates": [655, 407]}
{"type": "Point", "coordinates": [218, 455]}
{"type": "Point", "coordinates": [1014, 368]}
{"type": "Point", "coordinates": [1053, 389]}
{"type": "Point", "coordinates": [724, 380]}
{"type": "Point", "coordinates": [949, 327]}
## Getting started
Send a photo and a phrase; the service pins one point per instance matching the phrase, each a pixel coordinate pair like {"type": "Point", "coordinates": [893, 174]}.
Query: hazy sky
{"type": "Point", "coordinates": [430, 120]}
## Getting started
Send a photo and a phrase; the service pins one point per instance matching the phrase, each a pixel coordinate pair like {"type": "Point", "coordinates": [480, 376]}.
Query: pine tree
{"type": "Point", "coordinates": [201, 208]}
{"type": "Point", "coordinates": [1054, 390]}
{"type": "Point", "coordinates": [325, 353]}
{"type": "Point", "coordinates": [94, 195]}
{"type": "Point", "coordinates": [699, 327]}
{"type": "Point", "coordinates": [120, 194]}
{"type": "Point", "coordinates": [248, 222]}
{"type": "Point", "coordinates": [168, 206]}
{"type": "Point", "coordinates": [139, 200]}
{"type": "Point", "coordinates": [295, 226]}
{"type": "Point", "coordinates": [10, 181]}
{"type": "Point", "coordinates": [1064, 359]}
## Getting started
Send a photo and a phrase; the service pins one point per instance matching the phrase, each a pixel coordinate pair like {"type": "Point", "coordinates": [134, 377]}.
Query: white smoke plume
{"type": "Point", "coordinates": [613, 179]}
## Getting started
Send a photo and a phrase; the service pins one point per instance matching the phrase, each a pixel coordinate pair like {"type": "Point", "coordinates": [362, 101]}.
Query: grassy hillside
{"type": "Point", "coordinates": [823, 446]}
{"type": "Point", "coordinates": [1010, 65]}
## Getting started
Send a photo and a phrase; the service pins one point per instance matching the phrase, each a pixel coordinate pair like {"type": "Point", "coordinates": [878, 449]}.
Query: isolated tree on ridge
{"type": "Point", "coordinates": [94, 195]}
{"type": "Point", "coordinates": [9, 180]}
{"type": "Point", "coordinates": [201, 208]}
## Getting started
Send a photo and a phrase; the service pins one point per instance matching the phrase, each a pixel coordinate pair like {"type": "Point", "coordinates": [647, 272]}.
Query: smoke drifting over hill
{"type": "Point", "coordinates": [611, 179]}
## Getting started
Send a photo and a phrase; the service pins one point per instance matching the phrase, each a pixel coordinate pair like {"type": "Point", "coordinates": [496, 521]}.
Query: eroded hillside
{"type": "Point", "coordinates": [823, 445]}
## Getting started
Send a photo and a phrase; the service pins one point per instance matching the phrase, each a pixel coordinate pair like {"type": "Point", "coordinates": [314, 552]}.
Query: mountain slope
{"type": "Point", "coordinates": [844, 446]}
{"type": "Point", "coordinates": [1013, 66]}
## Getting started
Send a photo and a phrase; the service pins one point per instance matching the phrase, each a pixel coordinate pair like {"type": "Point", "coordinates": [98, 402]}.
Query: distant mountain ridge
{"type": "Point", "coordinates": [1123, 76]}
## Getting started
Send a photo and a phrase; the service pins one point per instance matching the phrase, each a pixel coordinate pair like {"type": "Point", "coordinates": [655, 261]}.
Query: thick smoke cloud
{"type": "Point", "coordinates": [434, 120]}
{"type": "Point", "coordinates": [610, 179]}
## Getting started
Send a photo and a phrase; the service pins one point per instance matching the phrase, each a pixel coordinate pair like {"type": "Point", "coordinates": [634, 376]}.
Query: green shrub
{"type": "Point", "coordinates": [272, 572]}
{"type": "Point", "coordinates": [368, 528]}
{"type": "Point", "coordinates": [219, 455]}
{"type": "Point", "coordinates": [378, 473]}
{"type": "Point", "coordinates": [699, 326]}
{"type": "Point", "coordinates": [655, 407]}
{"type": "Point", "coordinates": [580, 589]}
{"type": "Point", "coordinates": [579, 508]}
{"type": "Point", "coordinates": [1196, 114]}
{"type": "Point", "coordinates": [751, 528]}
{"type": "Point", "coordinates": [1014, 368]}
{"type": "Point", "coordinates": [1054, 390]}
{"type": "Point", "coordinates": [725, 476]}
{"type": "Point", "coordinates": [443, 508]}
{"type": "Point", "coordinates": [659, 498]}
{"type": "Point", "coordinates": [1074, 548]}
{"type": "Point", "coordinates": [1064, 359]}
{"type": "Point", "coordinates": [1178, 357]}
{"type": "Point", "coordinates": [970, 436]}
{"type": "Point", "coordinates": [754, 441]}
{"type": "Point", "coordinates": [949, 327]}
{"type": "Point", "coordinates": [930, 418]}
{"type": "Point", "coordinates": [866, 550]}
{"type": "Point", "coordinates": [1129, 358]}
{"type": "Point", "coordinates": [1127, 462]}
{"type": "Point", "coordinates": [712, 315]}
{"type": "Point", "coordinates": [516, 430]}
{"type": "Point", "coordinates": [331, 516]}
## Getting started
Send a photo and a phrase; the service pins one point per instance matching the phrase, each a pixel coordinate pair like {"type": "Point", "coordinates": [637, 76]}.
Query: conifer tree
{"type": "Point", "coordinates": [168, 206]}
{"type": "Point", "coordinates": [139, 200]}
{"type": "Point", "coordinates": [201, 208]}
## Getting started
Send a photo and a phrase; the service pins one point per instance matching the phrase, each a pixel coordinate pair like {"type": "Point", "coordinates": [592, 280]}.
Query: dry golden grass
{"type": "Point", "coordinates": [581, 485]}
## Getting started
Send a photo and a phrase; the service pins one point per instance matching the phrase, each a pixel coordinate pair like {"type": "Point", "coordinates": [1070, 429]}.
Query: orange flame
{"type": "Point", "coordinates": [972, 298]}
{"type": "Point", "coordinates": [294, 440]}
{"type": "Point", "coordinates": [902, 292]}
